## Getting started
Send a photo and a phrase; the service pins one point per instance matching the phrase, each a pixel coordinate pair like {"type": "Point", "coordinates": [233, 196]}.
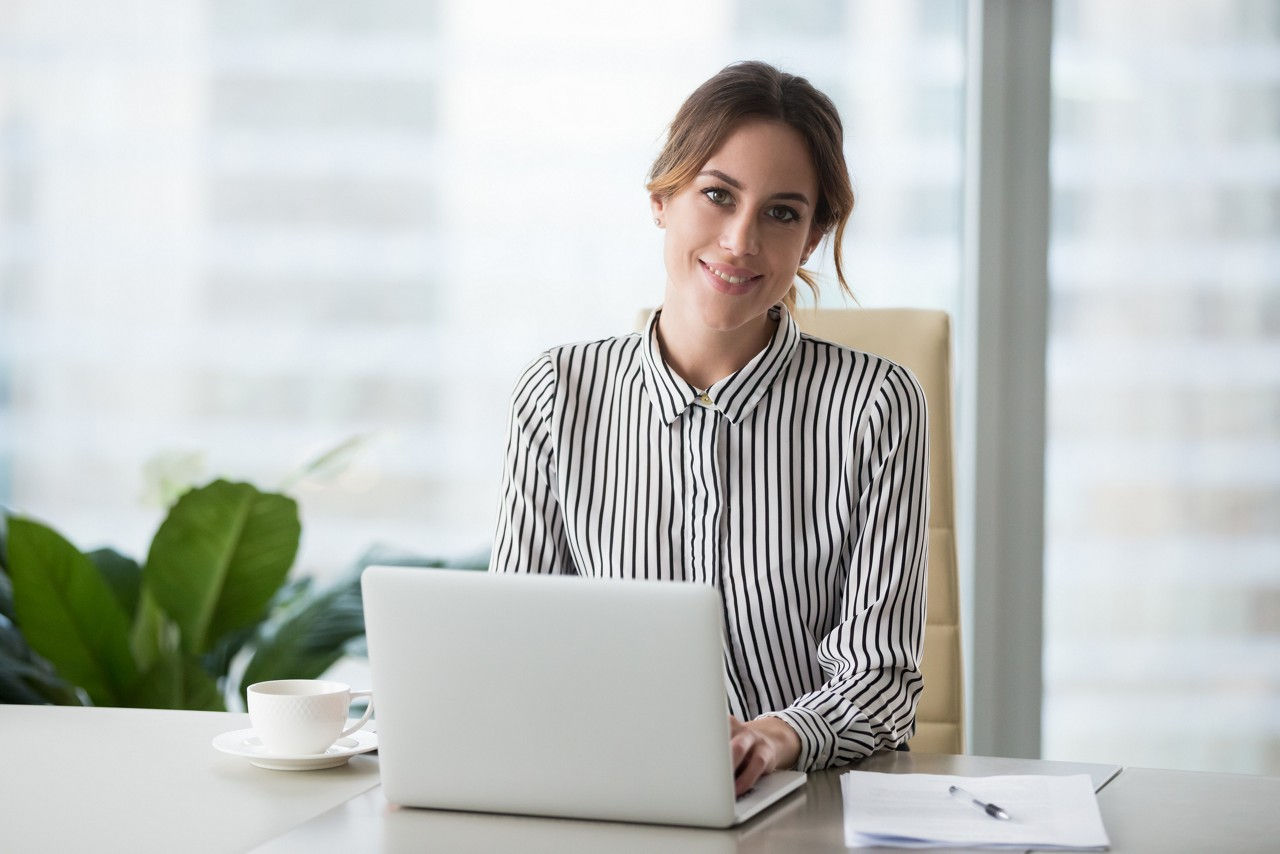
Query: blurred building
{"type": "Point", "coordinates": [1162, 587]}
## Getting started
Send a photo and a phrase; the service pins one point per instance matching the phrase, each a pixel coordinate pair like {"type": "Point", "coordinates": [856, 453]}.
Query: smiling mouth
{"type": "Point", "coordinates": [726, 276]}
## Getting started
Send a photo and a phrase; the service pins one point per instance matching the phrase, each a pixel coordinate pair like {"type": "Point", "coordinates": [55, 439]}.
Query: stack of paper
{"type": "Point", "coordinates": [917, 811]}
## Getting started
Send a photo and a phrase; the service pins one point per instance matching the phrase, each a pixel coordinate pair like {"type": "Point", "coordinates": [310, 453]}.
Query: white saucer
{"type": "Point", "coordinates": [243, 742]}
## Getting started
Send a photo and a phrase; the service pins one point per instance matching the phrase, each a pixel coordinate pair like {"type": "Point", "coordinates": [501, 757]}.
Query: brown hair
{"type": "Point", "coordinates": [757, 90]}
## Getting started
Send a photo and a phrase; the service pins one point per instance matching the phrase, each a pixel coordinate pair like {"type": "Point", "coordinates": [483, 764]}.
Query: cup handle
{"type": "Point", "coordinates": [365, 718]}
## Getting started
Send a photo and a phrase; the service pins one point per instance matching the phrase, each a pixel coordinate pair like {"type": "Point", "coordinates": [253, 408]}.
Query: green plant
{"type": "Point", "coordinates": [99, 627]}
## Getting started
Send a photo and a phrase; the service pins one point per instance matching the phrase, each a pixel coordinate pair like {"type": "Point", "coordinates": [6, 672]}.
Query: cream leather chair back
{"type": "Point", "coordinates": [920, 340]}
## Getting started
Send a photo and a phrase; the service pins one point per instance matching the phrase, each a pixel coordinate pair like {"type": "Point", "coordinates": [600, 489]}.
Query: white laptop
{"type": "Point", "coordinates": [554, 696]}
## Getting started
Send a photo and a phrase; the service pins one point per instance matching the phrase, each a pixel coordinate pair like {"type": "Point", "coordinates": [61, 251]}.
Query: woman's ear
{"type": "Point", "coordinates": [658, 205]}
{"type": "Point", "coordinates": [815, 237]}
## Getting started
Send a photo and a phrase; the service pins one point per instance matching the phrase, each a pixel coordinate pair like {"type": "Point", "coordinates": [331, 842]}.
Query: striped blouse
{"type": "Point", "coordinates": [797, 486]}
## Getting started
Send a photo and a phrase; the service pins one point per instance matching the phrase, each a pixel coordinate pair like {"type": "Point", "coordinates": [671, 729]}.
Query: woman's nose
{"type": "Point", "coordinates": [739, 236]}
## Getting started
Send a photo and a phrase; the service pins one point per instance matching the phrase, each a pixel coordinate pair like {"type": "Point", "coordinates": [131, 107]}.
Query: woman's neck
{"type": "Point", "coordinates": [703, 356]}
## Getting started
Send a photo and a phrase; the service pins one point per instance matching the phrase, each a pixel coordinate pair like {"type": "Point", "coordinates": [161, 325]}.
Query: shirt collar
{"type": "Point", "coordinates": [735, 395]}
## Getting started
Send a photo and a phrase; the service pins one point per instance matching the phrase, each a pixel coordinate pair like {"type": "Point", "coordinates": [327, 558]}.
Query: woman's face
{"type": "Point", "coordinates": [737, 232]}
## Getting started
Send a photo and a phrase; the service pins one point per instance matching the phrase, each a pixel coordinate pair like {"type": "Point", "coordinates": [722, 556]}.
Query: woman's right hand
{"type": "Point", "coordinates": [758, 748]}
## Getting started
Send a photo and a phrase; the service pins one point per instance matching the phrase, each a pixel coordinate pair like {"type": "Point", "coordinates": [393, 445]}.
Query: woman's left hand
{"type": "Point", "coordinates": [759, 747]}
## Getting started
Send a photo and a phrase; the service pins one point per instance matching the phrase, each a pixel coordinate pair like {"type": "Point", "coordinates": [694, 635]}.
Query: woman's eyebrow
{"type": "Point", "coordinates": [737, 185]}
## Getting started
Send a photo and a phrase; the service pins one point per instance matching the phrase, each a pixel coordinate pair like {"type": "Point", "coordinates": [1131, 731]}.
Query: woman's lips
{"type": "Point", "coordinates": [727, 279]}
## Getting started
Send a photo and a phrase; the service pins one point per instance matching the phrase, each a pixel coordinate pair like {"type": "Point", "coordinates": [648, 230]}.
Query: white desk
{"type": "Point", "coordinates": [137, 780]}
{"type": "Point", "coordinates": [1189, 812]}
{"type": "Point", "coordinates": [133, 780]}
{"type": "Point", "coordinates": [811, 820]}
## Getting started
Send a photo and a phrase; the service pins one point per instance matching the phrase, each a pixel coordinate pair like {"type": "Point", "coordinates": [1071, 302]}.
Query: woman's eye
{"type": "Point", "coordinates": [717, 195]}
{"type": "Point", "coordinates": [782, 213]}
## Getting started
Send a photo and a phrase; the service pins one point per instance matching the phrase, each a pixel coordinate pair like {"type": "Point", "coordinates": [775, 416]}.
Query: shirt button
{"type": "Point", "coordinates": [704, 398]}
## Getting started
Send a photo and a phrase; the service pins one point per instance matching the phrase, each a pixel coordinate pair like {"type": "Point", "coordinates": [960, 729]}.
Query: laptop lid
{"type": "Point", "coordinates": [552, 695]}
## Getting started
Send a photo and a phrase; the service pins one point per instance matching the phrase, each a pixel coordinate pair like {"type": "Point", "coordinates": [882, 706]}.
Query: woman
{"type": "Point", "coordinates": [724, 446]}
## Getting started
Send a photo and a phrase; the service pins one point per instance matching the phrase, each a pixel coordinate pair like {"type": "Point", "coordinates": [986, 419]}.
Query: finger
{"type": "Point", "coordinates": [747, 748]}
{"type": "Point", "coordinates": [748, 775]}
{"type": "Point", "coordinates": [739, 747]}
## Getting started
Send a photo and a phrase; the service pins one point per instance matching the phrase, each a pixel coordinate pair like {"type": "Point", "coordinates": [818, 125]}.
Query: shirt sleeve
{"type": "Point", "coordinates": [530, 534]}
{"type": "Point", "coordinates": [871, 658]}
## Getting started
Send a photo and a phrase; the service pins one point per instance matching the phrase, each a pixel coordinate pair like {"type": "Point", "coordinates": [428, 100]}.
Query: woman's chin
{"type": "Point", "coordinates": [718, 312]}
{"type": "Point", "coordinates": [726, 317]}
{"type": "Point", "coordinates": [730, 313]}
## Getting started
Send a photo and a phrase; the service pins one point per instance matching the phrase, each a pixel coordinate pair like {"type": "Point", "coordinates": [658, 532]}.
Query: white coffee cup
{"type": "Point", "coordinates": [303, 717]}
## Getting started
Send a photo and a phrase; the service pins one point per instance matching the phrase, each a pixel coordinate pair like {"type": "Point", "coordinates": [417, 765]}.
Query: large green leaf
{"type": "Point", "coordinates": [26, 677]}
{"type": "Point", "coordinates": [309, 639]}
{"type": "Point", "coordinates": [152, 634]}
{"type": "Point", "coordinates": [67, 613]}
{"type": "Point", "coordinates": [218, 660]}
{"type": "Point", "coordinates": [6, 589]}
{"type": "Point", "coordinates": [218, 557]}
{"type": "Point", "coordinates": [175, 681]}
{"type": "Point", "coordinates": [6, 596]}
{"type": "Point", "coordinates": [170, 679]}
{"type": "Point", "coordinates": [122, 574]}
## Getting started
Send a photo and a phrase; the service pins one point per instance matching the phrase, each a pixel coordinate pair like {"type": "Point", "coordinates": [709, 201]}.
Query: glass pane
{"type": "Point", "coordinates": [1162, 632]}
{"type": "Point", "coordinates": [238, 232]}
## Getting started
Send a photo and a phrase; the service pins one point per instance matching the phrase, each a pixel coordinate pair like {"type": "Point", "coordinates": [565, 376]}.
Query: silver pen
{"type": "Point", "coordinates": [990, 809]}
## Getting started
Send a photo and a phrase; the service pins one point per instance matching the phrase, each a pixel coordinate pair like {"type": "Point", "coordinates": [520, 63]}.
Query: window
{"type": "Point", "coordinates": [1162, 588]}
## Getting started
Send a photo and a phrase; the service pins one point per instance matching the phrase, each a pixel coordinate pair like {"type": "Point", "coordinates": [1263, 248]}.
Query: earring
{"type": "Point", "coordinates": [657, 222]}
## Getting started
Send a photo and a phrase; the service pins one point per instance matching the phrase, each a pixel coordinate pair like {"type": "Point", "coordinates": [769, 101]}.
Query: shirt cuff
{"type": "Point", "coordinates": [817, 739]}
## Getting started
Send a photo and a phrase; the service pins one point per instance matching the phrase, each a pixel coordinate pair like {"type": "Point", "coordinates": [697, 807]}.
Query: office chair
{"type": "Point", "coordinates": [919, 340]}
